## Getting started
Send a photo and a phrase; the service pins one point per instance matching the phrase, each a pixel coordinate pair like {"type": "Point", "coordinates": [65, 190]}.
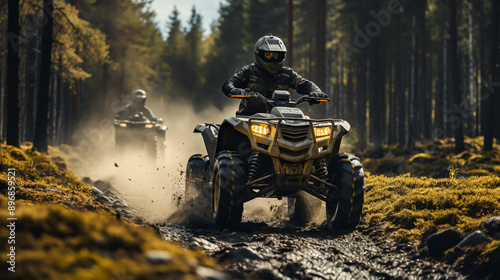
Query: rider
{"type": "Point", "coordinates": [137, 107]}
{"type": "Point", "coordinates": [266, 75]}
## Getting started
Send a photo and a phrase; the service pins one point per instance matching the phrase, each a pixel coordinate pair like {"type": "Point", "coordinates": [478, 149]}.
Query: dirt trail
{"type": "Point", "coordinates": [280, 251]}
{"type": "Point", "coordinates": [275, 249]}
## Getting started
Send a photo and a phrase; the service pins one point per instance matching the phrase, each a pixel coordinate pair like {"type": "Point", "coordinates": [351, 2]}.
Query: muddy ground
{"type": "Point", "coordinates": [281, 251]}
{"type": "Point", "coordinates": [276, 249]}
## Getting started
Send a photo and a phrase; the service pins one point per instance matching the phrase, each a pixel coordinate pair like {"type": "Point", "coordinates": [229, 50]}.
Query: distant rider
{"type": "Point", "coordinates": [265, 75]}
{"type": "Point", "coordinates": [137, 107]}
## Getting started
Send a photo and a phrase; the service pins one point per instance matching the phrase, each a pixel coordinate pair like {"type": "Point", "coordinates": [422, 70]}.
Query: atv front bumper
{"type": "Point", "coordinates": [294, 140]}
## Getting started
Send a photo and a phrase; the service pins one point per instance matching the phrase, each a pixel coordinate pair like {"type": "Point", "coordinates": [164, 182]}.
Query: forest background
{"type": "Point", "coordinates": [398, 70]}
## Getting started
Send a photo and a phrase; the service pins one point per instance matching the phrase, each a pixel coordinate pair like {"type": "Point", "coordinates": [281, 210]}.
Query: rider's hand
{"type": "Point", "coordinates": [258, 97]}
{"type": "Point", "coordinates": [237, 91]}
{"type": "Point", "coordinates": [318, 95]}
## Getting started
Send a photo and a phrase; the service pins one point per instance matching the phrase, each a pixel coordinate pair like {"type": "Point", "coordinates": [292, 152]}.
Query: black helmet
{"type": "Point", "coordinates": [139, 96]}
{"type": "Point", "coordinates": [270, 52]}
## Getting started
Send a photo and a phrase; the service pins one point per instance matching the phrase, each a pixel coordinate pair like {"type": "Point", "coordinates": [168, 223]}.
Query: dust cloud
{"type": "Point", "coordinates": [155, 187]}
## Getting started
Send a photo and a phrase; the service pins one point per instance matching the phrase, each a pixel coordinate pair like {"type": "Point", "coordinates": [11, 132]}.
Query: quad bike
{"type": "Point", "coordinates": [139, 131]}
{"type": "Point", "coordinates": [281, 153]}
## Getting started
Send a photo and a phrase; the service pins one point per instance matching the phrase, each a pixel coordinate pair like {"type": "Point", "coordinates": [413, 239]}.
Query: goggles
{"type": "Point", "coordinates": [273, 56]}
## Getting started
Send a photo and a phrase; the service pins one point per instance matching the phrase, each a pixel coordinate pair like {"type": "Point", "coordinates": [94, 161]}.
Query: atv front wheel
{"type": "Point", "coordinates": [197, 192]}
{"type": "Point", "coordinates": [228, 189]}
{"type": "Point", "coordinates": [345, 204]}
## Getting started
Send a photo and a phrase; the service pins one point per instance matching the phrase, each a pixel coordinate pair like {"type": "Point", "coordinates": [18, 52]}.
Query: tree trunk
{"type": "Point", "coordinates": [350, 94]}
{"type": "Point", "coordinates": [321, 49]}
{"type": "Point", "coordinates": [440, 91]}
{"type": "Point", "coordinates": [40, 141]}
{"type": "Point", "coordinates": [53, 105]}
{"type": "Point", "coordinates": [339, 100]}
{"type": "Point", "coordinates": [491, 90]}
{"type": "Point", "coordinates": [423, 85]}
{"type": "Point", "coordinates": [421, 109]}
{"type": "Point", "coordinates": [3, 116]}
{"type": "Point", "coordinates": [361, 88]}
{"type": "Point", "coordinates": [59, 108]}
{"type": "Point", "coordinates": [429, 98]}
{"type": "Point", "coordinates": [411, 118]}
{"type": "Point", "coordinates": [289, 57]}
{"type": "Point", "coordinates": [36, 85]}
{"type": "Point", "coordinates": [446, 81]}
{"type": "Point", "coordinates": [456, 116]}
{"type": "Point", "coordinates": [13, 43]}
{"type": "Point", "coordinates": [29, 77]}
{"type": "Point", "coordinates": [471, 67]}
{"type": "Point", "coordinates": [391, 131]}
{"type": "Point", "coordinates": [400, 91]}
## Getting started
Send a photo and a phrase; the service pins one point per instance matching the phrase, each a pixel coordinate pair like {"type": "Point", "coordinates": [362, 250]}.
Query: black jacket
{"type": "Point", "coordinates": [132, 109]}
{"type": "Point", "coordinates": [258, 80]}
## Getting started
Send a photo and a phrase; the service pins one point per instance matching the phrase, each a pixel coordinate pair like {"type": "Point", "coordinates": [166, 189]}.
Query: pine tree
{"type": "Point", "coordinates": [40, 141]}
{"type": "Point", "coordinates": [455, 89]}
{"type": "Point", "coordinates": [174, 55]}
{"type": "Point", "coordinates": [13, 74]}
{"type": "Point", "coordinates": [230, 50]}
{"type": "Point", "coordinates": [193, 75]}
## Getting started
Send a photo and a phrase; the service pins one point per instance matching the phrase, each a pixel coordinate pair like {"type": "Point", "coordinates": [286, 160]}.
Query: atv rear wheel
{"type": "Point", "coordinates": [344, 205]}
{"type": "Point", "coordinates": [197, 191]}
{"type": "Point", "coordinates": [228, 189]}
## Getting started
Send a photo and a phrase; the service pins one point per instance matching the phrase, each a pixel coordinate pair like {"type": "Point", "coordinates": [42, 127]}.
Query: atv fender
{"type": "Point", "coordinates": [343, 129]}
{"type": "Point", "coordinates": [232, 137]}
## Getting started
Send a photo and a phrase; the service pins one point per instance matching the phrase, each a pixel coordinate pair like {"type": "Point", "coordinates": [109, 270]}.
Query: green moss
{"type": "Point", "coordinates": [40, 179]}
{"type": "Point", "coordinates": [414, 205]}
{"type": "Point", "coordinates": [63, 233]}
{"type": "Point", "coordinates": [412, 208]}
{"type": "Point", "coordinates": [66, 244]}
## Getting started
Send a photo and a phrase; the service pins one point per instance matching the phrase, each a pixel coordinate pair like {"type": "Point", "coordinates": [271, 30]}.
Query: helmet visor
{"type": "Point", "coordinates": [272, 57]}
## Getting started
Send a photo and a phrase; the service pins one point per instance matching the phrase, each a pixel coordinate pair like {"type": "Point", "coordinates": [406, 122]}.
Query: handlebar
{"type": "Point", "coordinates": [311, 100]}
{"type": "Point", "coordinates": [293, 103]}
{"type": "Point", "coordinates": [239, 96]}
{"type": "Point", "coordinates": [248, 93]}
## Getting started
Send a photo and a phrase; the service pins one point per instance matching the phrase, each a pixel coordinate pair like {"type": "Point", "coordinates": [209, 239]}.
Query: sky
{"type": "Point", "coordinates": [209, 10]}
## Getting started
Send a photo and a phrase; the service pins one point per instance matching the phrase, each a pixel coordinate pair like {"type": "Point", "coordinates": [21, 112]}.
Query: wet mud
{"type": "Point", "coordinates": [279, 250]}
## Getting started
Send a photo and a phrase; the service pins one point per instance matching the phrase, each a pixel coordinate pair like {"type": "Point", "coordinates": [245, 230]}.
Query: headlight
{"type": "Point", "coordinates": [150, 125]}
{"type": "Point", "coordinates": [323, 131]}
{"type": "Point", "coordinates": [261, 129]}
{"type": "Point", "coordinates": [123, 124]}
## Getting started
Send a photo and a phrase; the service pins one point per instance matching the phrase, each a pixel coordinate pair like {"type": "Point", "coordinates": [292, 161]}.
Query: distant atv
{"type": "Point", "coordinates": [139, 131]}
{"type": "Point", "coordinates": [282, 153]}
